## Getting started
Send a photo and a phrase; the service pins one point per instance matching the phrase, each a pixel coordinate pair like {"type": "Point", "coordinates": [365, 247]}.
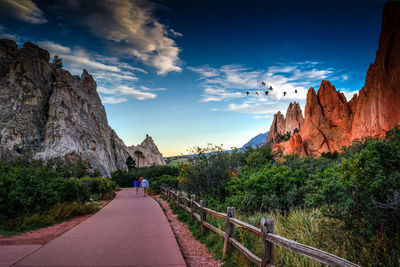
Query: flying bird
{"type": "Point", "coordinates": [270, 88]}
{"type": "Point", "coordinates": [256, 93]}
{"type": "Point", "coordinates": [247, 93]}
{"type": "Point", "coordinates": [263, 83]}
{"type": "Point", "coordinates": [284, 93]}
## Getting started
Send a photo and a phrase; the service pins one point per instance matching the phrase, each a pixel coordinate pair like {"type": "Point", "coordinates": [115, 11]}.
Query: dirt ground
{"type": "Point", "coordinates": [44, 235]}
{"type": "Point", "coordinates": [193, 251]}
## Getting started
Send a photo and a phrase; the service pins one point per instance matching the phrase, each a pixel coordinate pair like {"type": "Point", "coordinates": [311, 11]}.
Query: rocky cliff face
{"type": "Point", "coordinates": [26, 83]}
{"type": "Point", "coordinates": [281, 125]}
{"type": "Point", "coordinates": [378, 106]}
{"type": "Point", "coordinates": [47, 112]}
{"type": "Point", "coordinates": [146, 154]}
{"type": "Point", "coordinates": [332, 122]}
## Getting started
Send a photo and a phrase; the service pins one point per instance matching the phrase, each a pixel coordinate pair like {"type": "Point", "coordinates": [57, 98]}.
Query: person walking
{"type": "Point", "coordinates": [145, 185]}
{"type": "Point", "coordinates": [136, 185]}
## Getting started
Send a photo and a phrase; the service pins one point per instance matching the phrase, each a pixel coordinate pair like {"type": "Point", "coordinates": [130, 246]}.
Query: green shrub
{"type": "Point", "coordinates": [165, 181]}
{"type": "Point", "coordinates": [125, 178]}
{"type": "Point", "coordinates": [100, 187]}
{"type": "Point", "coordinates": [271, 187]}
{"type": "Point", "coordinates": [364, 189]}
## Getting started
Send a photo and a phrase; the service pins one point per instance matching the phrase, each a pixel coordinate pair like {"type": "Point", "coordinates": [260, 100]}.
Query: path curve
{"type": "Point", "coordinates": [130, 231]}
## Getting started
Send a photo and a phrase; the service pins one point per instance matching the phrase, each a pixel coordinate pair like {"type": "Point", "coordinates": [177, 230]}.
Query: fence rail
{"type": "Point", "coordinates": [266, 232]}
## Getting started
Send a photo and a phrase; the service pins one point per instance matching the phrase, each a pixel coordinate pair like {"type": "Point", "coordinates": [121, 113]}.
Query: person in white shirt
{"type": "Point", "coordinates": [144, 184]}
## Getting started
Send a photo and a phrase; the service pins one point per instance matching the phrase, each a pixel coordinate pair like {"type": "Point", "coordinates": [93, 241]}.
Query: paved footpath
{"type": "Point", "coordinates": [130, 231]}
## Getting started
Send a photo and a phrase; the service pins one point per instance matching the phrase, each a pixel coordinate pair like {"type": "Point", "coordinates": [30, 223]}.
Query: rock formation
{"type": "Point", "coordinates": [378, 106]}
{"type": "Point", "coordinates": [332, 122]}
{"type": "Point", "coordinates": [282, 125]}
{"type": "Point", "coordinates": [46, 112]}
{"type": "Point", "coordinates": [146, 154]}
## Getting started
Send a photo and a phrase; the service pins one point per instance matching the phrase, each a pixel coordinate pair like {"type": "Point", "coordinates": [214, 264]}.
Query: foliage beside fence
{"type": "Point", "coordinates": [266, 232]}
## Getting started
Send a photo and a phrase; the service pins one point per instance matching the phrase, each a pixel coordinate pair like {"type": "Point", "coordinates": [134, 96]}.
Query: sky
{"type": "Point", "coordinates": [179, 70]}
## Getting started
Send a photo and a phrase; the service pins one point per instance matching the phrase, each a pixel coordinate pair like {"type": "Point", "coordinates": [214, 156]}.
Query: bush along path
{"type": "Point", "coordinates": [130, 231]}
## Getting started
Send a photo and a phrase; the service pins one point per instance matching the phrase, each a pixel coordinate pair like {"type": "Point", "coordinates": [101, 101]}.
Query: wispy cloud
{"type": "Point", "coordinates": [115, 78]}
{"type": "Point", "coordinates": [218, 94]}
{"type": "Point", "coordinates": [77, 58]}
{"type": "Point", "coordinates": [7, 35]}
{"type": "Point", "coordinates": [349, 94]}
{"type": "Point", "coordinates": [24, 10]}
{"type": "Point", "coordinates": [113, 99]}
{"type": "Point", "coordinates": [228, 79]}
{"type": "Point", "coordinates": [229, 83]}
{"type": "Point", "coordinates": [131, 29]}
{"type": "Point", "coordinates": [122, 92]}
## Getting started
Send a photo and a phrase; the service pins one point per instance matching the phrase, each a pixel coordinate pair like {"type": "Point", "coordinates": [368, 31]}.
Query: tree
{"type": "Point", "coordinates": [57, 61]}
{"type": "Point", "coordinates": [138, 155]}
{"type": "Point", "coordinates": [130, 163]}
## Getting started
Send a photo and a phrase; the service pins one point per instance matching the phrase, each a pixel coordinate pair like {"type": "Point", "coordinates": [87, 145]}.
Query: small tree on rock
{"type": "Point", "coordinates": [130, 163]}
{"type": "Point", "coordinates": [57, 61]}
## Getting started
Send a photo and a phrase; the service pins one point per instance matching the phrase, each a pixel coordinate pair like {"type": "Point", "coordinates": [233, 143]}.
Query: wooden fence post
{"type": "Point", "coordinates": [202, 215]}
{"type": "Point", "coordinates": [267, 257]}
{"type": "Point", "coordinates": [192, 207]}
{"type": "Point", "coordinates": [230, 213]}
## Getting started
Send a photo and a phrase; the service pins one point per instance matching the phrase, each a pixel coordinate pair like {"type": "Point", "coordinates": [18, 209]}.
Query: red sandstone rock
{"type": "Point", "coordinates": [331, 122]}
{"type": "Point", "coordinates": [378, 106]}
{"type": "Point", "coordinates": [281, 125]}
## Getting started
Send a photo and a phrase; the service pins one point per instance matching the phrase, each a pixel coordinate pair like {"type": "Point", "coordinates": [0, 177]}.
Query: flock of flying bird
{"type": "Point", "coordinates": [269, 89]}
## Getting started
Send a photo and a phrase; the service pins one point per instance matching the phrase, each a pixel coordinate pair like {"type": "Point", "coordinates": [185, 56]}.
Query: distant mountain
{"type": "Point", "coordinates": [257, 141]}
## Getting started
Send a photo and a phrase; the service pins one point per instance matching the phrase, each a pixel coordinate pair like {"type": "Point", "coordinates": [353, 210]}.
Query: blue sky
{"type": "Point", "coordinates": [179, 70]}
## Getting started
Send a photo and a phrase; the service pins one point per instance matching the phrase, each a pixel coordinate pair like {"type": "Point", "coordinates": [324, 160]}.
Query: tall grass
{"type": "Point", "coordinates": [308, 227]}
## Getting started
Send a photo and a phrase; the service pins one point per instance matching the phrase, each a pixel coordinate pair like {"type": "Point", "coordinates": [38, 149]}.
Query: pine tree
{"type": "Point", "coordinates": [57, 61]}
{"type": "Point", "coordinates": [130, 163]}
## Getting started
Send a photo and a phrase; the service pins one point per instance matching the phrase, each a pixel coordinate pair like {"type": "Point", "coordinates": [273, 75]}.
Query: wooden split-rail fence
{"type": "Point", "coordinates": [266, 232]}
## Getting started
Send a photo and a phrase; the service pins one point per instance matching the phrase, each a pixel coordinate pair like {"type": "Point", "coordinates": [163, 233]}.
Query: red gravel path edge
{"type": "Point", "coordinates": [194, 252]}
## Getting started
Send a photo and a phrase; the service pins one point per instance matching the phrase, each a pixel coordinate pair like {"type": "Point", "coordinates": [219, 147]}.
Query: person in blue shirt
{"type": "Point", "coordinates": [136, 185]}
{"type": "Point", "coordinates": [144, 184]}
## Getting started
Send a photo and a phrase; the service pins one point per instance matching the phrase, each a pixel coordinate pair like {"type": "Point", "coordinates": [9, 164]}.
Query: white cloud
{"type": "Point", "coordinates": [123, 91]}
{"type": "Point", "coordinates": [212, 94]}
{"type": "Point", "coordinates": [175, 33]}
{"type": "Point", "coordinates": [144, 88]}
{"type": "Point", "coordinates": [349, 94]}
{"type": "Point", "coordinates": [205, 71]}
{"type": "Point", "coordinates": [24, 10]}
{"type": "Point", "coordinates": [114, 77]}
{"type": "Point", "coordinates": [223, 83]}
{"type": "Point", "coordinates": [113, 99]}
{"type": "Point", "coordinates": [229, 83]}
{"type": "Point", "coordinates": [102, 68]}
{"type": "Point", "coordinates": [258, 108]}
{"type": "Point", "coordinates": [131, 30]}
{"type": "Point", "coordinates": [135, 93]}
{"type": "Point", "coordinates": [6, 35]}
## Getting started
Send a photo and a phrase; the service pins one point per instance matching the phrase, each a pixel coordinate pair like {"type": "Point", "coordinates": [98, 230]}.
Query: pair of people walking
{"type": "Point", "coordinates": [141, 183]}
